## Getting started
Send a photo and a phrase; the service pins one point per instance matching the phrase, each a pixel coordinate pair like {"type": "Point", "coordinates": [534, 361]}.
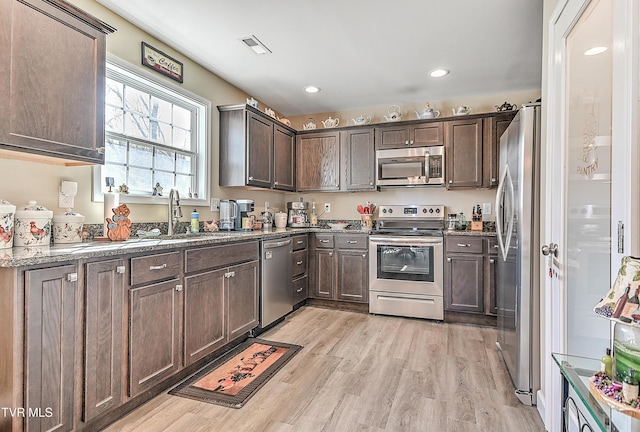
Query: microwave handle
{"type": "Point", "coordinates": [427, 167]}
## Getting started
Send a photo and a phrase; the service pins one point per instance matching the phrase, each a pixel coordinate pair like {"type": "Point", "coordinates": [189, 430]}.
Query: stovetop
{"type": "Point", "coordinates": [413, 219]}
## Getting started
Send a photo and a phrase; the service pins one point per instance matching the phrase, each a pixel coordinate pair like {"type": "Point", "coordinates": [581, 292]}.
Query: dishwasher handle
{"type": "Point", "coordinates": [276, 244]}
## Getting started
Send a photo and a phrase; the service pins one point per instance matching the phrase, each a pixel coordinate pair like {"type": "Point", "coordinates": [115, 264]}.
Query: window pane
{"type": "Point", "coordinates": [118, 172]}
{"type": "Point", "coordinates": [136, 101]}
{"type": "Point", "coordinates": [113, 119]}
{"type": "Point", "coordinates": [140, 180]}
{"type": "Point", "coordinates": [183, 163]}
{"type": "Point", "coordinates": [136, 126]}
{"type": "Point", "coordinates": [164, 160]}
{"type": "Point", "coordinates": [165, 179]}
{"type": "Point", "coordinates": [160, 109]}
{"type": "Point", "coordinates": [181, 139]}
{"type": "Point", "coordinates": [160, 132]}
{"type": "Point", "coordinates": [183, 183]}
{"type": "Point", "coordinates": [140, 155]}
{"type": "Point", "coordinates": [114, 93]}
{"type": "Point", "coordinates": [181, 117]}
{"type": "Point", "coordinates": [116, 151]}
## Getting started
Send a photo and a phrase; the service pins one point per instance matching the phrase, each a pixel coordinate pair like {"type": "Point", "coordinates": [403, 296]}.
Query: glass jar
{"type": "Point", "coordinates": [626, 350]}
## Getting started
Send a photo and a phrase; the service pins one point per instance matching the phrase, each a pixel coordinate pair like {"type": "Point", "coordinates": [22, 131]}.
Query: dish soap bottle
{"type": "Point", "coordinates": [606, 364]}
{"type": "Point", "coordinates": [630, 386]}
{"type": "Point", "coordinates": [195, 221]}
{"type": "Point", "coordinates": [314, 215]}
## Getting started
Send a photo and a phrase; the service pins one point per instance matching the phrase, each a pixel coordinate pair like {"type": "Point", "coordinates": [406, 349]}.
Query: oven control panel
{"type": "Point", "coordinates": [411, 211]}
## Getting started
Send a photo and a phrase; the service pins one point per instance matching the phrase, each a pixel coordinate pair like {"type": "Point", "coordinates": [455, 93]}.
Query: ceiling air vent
{"type": "Point", "coordinates": [257, 46]}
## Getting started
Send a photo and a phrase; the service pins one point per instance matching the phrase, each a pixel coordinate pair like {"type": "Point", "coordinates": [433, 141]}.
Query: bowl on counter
{"type": "Point", "coordinates": [338, 225]}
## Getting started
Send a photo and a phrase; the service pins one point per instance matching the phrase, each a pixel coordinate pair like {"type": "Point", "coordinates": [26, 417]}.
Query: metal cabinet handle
{"type": "Point", "coordinates": [300, 241]}
{"type": "Point", "coordinates": [120, 269]}
{"type": "Point", "coordinates": [229, 274]}
{"type": "Point", "coordinates": [407, 142]}
{"type": "Point", "coordinates": [464, 245]}
{"type": "Point", "coordinates": [448, 259]}
{"type": "Point", "coordinates": [324, 241]}
{"type": "Point", "coordinates": [158, 267]}
{"type": "Point", "coordinates": [370, 183]}
{"type": "Point", "coordinates": [493, 180]}
{"type": "Point", "coordinates": [178, 287]}
{"type": "Point", "coordinates": [450, 181]}
{"type": "Point", "coordinates": [250, 178]}
{"type": "Point", "coordinates": [496, 246]}
{"type": "Point", "coordinates": [275, 183]}
{"type": "Point", "coordinates": [411, 142]}
{"type": "Point", "coordinates": [491, 260]}
{"type": "Point", "coordinates": [299, 262]}
{"type": "Point", "coordinates": [364, 255]}
{"type": "Point", "coordinates": [330, 253]}
{"type": "Point", "coordinates": [72, 277]}
{"type": "Point", "coordinates": [299, 290]}
{"type": "Point", "coordinates": [352, 241]}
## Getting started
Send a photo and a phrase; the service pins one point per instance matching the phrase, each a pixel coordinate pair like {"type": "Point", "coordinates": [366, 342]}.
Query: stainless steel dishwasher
{"type": "Point", "coordinates": [276, 296]}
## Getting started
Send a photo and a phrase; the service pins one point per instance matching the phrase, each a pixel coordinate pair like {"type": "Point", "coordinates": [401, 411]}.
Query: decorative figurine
{"type": "Point", "coordinates": [506, 107]}
{"type": "Point", "coordinates": [119, 226]}
{"type": "Point", "coordinates": [157, 190]}
{"type": "Point", "coordinates": [123, 188]}
{"type": "Point", "coordinates": [211, 226]}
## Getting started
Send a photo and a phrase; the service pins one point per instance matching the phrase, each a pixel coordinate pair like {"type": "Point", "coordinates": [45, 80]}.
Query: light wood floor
{"type": "Point", "coordinates": [360, 372]}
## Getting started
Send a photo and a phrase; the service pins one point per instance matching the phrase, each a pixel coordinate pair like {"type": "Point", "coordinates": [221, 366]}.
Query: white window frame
{"type": "Point", "coordinates": [202, 128]}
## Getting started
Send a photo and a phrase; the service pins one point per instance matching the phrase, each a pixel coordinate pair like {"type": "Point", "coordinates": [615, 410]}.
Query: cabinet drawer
{"type": "Point", "coordinates": [492, 246]}
{"type": "Point", "coordinates": [323, 241]}
{"type": "Point", "coordinates": [220, 256]}
{"type": "Point", "coordinates": [299, 264]}
{"type": "Point", "coordinates": [300, 242]}
{"type": "Point", "coordinates": [300, 289]}
{"type": "Point", "coordinates": [465, 244]}
{"type": "Point", "coordinates": [155, 267]}
{"type": "Point", "coordinates": [351, 241]}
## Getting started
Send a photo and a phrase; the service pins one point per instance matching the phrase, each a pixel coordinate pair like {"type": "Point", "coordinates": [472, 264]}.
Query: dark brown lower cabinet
{"type": "Point", "coordinates": [50, 317]}
{"type": "Point", "coordinates": [154, 334]}
{"type": "Point", "coordinates": [104, 348]}
{"type": "Point", "coordinates": [353, 269]}
{"type": "Point", "coordinates": [204, 314]}
{"type": "Point", "coordinates": [464, 283]}
{"type": "Point", "coordinates": [242, 289]}
{"type": "Point", "coordinates": [324, 273]}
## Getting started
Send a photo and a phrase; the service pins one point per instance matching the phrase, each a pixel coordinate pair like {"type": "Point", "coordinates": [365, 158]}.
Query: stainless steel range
{"type": "Point", "coordinates": [406, 262]}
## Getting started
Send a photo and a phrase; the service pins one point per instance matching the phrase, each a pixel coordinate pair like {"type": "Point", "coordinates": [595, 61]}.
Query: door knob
{"type": "Point", "coordinates": [550, 249]}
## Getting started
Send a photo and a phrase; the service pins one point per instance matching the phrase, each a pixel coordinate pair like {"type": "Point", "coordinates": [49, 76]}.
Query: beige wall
{"type": "Point", "coordinates": [24, 180]}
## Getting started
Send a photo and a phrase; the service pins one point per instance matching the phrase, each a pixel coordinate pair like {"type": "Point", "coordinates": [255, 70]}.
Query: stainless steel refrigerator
{"type": "Point", "coordinates": [517, 269]}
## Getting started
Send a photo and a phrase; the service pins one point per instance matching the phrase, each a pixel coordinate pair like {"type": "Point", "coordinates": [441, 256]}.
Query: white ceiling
{"type": "Point", "coordinates": [361, 53]}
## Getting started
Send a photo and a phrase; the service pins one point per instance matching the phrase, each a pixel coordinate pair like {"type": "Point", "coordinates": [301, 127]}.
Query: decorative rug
{"type": "Point", "coordinates": [233, 378]}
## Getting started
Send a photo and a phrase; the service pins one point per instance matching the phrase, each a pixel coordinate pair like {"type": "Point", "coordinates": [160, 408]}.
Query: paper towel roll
{"type": "Point", "coordinates": [111, 201]}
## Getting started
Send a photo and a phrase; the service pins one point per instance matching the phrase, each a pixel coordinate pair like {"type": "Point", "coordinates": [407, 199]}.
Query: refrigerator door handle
{"type": "Point", "coordinates": [498, 207]}
{"type": "Point", "coordinates": [501, 202]}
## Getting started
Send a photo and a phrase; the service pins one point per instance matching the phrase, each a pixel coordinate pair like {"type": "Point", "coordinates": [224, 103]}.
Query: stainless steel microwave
{"type": "Point", "coordinates": [412, 166]}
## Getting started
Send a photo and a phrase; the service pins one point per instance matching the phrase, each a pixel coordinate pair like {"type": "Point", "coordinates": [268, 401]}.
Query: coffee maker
{"type": "Point", "coordinates": [228, 214]}
{"type": "Point", "coordinates": [298, 214]}
{"type": "Point", "coordinates": [244, 207]}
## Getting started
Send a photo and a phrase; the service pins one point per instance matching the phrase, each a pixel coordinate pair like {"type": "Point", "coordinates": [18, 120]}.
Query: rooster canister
{"type": "Point", "coordinates": [33, 225]}
{"type": "Point", "coordinates": [7, 213]}
{"type": "Point", "coordinates": [67, 227]}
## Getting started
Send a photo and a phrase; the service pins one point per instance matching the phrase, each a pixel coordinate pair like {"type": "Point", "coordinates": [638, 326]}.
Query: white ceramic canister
{"type": "Point", "coordinates": [33, 225]}
{"type": "Point", "coordinates": [67, 227]}
{"type": "Point", "coordinates": [7, 213]}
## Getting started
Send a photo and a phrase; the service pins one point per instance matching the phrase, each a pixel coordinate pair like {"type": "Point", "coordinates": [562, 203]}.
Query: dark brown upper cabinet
{"type": "Point", "coordinates": [255, 149]}
{"type": "Point", "coordinates": [358, 158]}
{"type": "Point", "coordinates": [318, 161]}
{"type": "Point", "coordinates": [494, 127]}
{"type": "Point", "coordinates": [423, 134]}
{"type": "Point", "coordinates": [52, 80]}
{"type": "Point", "coordinates": [464, 153]}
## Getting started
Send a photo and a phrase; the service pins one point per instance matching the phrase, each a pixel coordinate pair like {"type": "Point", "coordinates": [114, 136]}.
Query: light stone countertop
{"type": "Point", "coordinates": [471, 233]}
{"type": "Point", "coordinates": [26, 256]}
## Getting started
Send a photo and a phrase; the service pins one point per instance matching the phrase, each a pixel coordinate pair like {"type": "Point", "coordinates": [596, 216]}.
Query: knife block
{"type": "Point", "coordinates": [476, 225]}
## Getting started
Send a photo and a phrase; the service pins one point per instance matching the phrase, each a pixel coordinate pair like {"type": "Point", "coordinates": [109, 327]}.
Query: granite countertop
{"type": "Point", "coordinates": [471, 233]}
{"type": "Point", "coordinates": [24, 256]}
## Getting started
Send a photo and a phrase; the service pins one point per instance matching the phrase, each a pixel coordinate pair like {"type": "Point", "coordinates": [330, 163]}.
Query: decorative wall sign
{"type": "Point", "coordinates": [160, 62]}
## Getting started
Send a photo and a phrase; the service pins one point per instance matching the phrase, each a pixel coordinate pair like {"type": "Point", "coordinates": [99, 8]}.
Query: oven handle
{"type": "Point", "coordinates": [407, 241]}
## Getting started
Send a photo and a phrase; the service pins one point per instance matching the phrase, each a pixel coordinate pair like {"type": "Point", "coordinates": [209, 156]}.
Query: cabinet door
{"type": "Point", "coordinates": [154, 337]}
{"type": "Point", "coordinates": [464, 283]}
{"type": "Point", "coordinates": [427, 134]}
{"type": "Point", "coordinates": [353, 270]}
{"type": "Point", "coordinates": [243, 299]}
{"type": "Point", "coordinates": [284, 147]}
{"type": "Point", "coordinates": [104, 348]}
{"type": "Point", "coordinates": [494, 127]}
{"type": "Point", "coordinates": [358, 159]}
{"type": "Point", "coordinates": [259, 151]}
{"type": "Point", "coordinates": [492, 306]}
{"type": "Point", "coordinates": [204, 314]}
{"type": "Point", "coordinates": [318, 162]}
{"type": "Point", "coordinates": [50, 318]}
{"type": "Point", "coordinates": [324, 273]}
{"type": "Point", "coordinates": [390, 137]}
{"type": "Point", "coordinates": [55, 111]}
{"type": "Point", "coordinates": [464, 153]}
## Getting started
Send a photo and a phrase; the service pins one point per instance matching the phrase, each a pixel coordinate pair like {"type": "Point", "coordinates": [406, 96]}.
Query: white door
{"type": "Point", "coordinates": [587, 156]}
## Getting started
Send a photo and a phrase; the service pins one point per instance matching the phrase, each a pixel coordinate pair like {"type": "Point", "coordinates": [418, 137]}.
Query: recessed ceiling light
{"type": "Point", "coordinates": [439, 73]}
{"type": "Point", "coordinates": [257, 46]}
{"type": "Point", "coordinates": [595, 50]}
{"type": "Point", "coordinates": [312, 89]}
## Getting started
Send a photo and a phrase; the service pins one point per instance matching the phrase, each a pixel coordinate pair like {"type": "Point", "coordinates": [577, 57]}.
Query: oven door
{"type": "Point", "coordinates": [411, 265]}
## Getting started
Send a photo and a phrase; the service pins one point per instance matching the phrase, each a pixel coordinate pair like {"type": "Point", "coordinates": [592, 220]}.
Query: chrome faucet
{"type": "Point", "coordinates": [175, 211]}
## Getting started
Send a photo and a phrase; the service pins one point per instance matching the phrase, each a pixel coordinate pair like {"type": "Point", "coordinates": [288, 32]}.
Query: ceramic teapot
{"type": "Point", "coordinates": [309, 125]}
{"type": "Point", "coordinates": [506, 107]}
{"type": "Point", "coordinates": [427, 113]}
{"type": "Point", "coordinates": [395, 113]}
{"type": "Point", "coordinates": [461, 110]}
{"type": "Point", "coordinates": [361, 120]}
{"type": "Point", "coordinates": [331, 122]}
{"type": "Point", "coordinates": [252, 102]}
{"type": "Point", "coordinates": [270, 112]}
